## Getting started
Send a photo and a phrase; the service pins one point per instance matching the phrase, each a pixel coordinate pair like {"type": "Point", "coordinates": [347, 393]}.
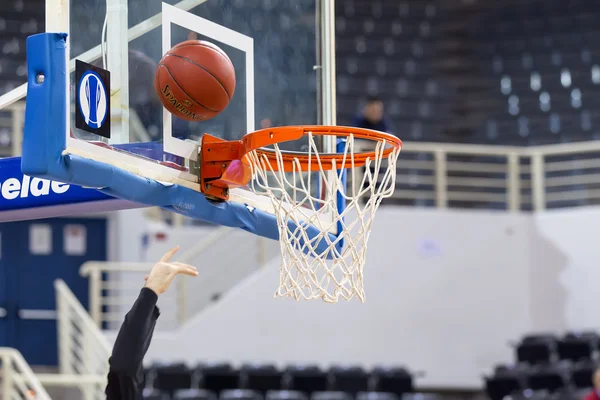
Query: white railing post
{"type": "Point", "coordinates": [441, 179]}
{"type": "Point", "coordinates": [181, 301]}
{"type": "Point", "coordinates": [87, 354]}
{"type": "Point", "coordinates": [95, 296]}
{"type": "Point", "coordinates": [118, 62]}
{"type": "Point", "coordinates": [17, 121]}
{"type": "Point", "coordinates": [6, 376]}
{"type": "Point", "coordinates": [181, 294]}
{"type": "Point", "coordinates": [261, 251]}
{"type": "Point", "coordinates": [64, 334]}
{"type": "Point", "coordinates": [538, 189]}
{"type": "Point", "coordinates": [514, 182]}
{"type": "Point", "coordinates": [87, 363]}
{"type": "Point", "coordinates": [17, 380]}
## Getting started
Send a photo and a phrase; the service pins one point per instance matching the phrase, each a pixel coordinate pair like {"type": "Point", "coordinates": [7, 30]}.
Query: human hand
{"type": "Point", "coordinates": [164, 271]}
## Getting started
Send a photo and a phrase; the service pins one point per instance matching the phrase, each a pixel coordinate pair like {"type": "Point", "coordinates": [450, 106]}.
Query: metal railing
{"type": "Point", "coordinates": [12, 120]}
{"type": "Point", "coordinates": [223, 258]}
{"type": "Point", "coordinates": [83, 350]}
{"type": "Point", "coordinates": [499, 177]}
{"type": "Point", "coordinates": [17, 380]}
{"type": "Point", "coordinates": [83, 357]}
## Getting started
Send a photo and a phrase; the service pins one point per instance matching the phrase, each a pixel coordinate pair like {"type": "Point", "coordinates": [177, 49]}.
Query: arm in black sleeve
{"type": "Point", "coordinates": [126, 369]}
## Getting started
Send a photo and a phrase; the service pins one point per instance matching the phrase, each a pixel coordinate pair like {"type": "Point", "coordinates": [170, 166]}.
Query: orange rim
{"type": "Point", "coordinates": [255, 141]}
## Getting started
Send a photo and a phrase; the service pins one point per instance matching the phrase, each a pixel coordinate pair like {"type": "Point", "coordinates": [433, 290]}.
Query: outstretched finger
{"type": "Point", "coordinates": [182, 265]}
{"type": "Point", "coordinates": [188, 271]}
{"type": "Point", "coordinates": [169, 254]}
{"type": "Point", "coordinates": [182, 268]}
{"type": "Point", "coordinates": [146, 277]}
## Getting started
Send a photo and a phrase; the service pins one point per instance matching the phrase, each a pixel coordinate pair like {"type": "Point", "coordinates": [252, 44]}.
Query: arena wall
{"type": "Point", "coordinates": [447, 291]}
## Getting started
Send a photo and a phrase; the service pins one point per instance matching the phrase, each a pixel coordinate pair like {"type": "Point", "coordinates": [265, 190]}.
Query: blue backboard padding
{"type": "Point", "coordinates": [180, 199]}
{"type": "Point", "coordinates": [44, 136]}
{"type": "Point", "coordinates": [45, 140]}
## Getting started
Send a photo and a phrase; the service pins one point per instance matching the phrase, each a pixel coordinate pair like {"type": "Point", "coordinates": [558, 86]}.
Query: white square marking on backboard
{"type": "Point", "coordinates": [202, 26]}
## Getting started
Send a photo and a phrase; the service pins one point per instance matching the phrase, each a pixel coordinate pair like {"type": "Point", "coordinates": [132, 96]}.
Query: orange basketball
{"type": "Point", "coordinates": [195, 80]}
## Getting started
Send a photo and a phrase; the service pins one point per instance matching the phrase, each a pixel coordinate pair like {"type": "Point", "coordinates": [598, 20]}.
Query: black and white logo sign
{"type": "Point", "coordinates": [93, 99]}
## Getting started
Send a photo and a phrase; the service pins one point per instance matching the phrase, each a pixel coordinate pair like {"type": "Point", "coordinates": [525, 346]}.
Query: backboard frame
{"type": "Point", "coordinates": [92, 160]}
{"type": "Point", "coordinates": [178, 16]}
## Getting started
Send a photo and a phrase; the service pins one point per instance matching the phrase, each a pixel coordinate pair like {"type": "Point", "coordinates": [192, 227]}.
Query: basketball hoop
{"type": "Point", "coordinates": [324, 232]}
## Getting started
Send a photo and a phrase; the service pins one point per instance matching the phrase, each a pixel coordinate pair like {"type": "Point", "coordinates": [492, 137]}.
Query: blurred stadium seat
{"type": "Point", "coordinates": [261, 378]}
{"type": "Point", "coordinates": [376, 396]}
{"type": "Point", "coordinates": [537, 349]}
{"type": "Point", "coordinates": [392, 58]}
{"type": "Point", "coordinates": [504, 382]}
{"type": "Point", "coordinates": [18, 22]}
{"type": "Point", "coordinates": [576, 347]}
{"type": "Point", "coordinates": [154, 394]}
{"type": "Point", "coordinates": [194, 394]}
{"type": "Point", "coordinates": [350, 379]}
{"type": "Point", "coordinates": [240, 394]}
{"type": "Point", "coordinates": [491, 73]}
{"type": "Point", "coordinates": [541, 374]}
{"type": "Point", "coordinates": [581, 374]}
{"type": "Point", "coordinates": [285, 395]}
{"type": "Point", "coordinates": [550, 378]}
{"type": "Point", "coordinates": [331, 395]}
{"type": "Point", "coordinates": [218, 377]}
{"type": "Point", "coordinates": [169, 378]}
{"type": "Point", "coordinates": [543, 69]}
{"type": "Point", "coordinates": [257, 381]}
{"type": "Point", "coordinates": [392, 380]}
{"type": "Point", "coordinates": [307, 379]}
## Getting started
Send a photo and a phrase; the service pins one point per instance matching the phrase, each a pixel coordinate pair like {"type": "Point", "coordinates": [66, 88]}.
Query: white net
{"type": "Point", "coordinates": [323, 256]}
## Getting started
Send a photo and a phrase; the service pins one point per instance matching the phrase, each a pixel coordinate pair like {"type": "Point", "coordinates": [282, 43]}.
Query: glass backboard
{"type": "Point", "coordinates": [274, 45]}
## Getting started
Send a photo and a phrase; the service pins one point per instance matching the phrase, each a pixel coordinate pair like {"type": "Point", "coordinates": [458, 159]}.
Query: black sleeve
{"type": "Point", "coordinates": [126, 370]}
